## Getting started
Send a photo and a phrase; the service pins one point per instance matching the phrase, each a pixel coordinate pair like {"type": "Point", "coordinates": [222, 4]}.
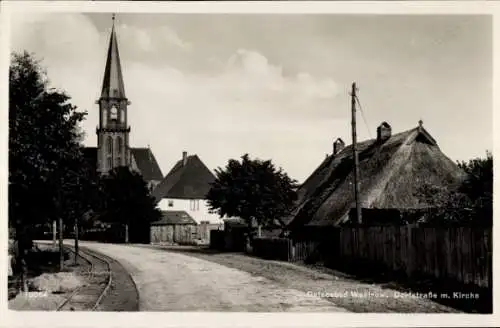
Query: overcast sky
{"type": "Point", "coordinates": [274, 86]}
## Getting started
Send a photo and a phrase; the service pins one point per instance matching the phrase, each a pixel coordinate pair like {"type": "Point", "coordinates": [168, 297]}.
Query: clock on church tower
{"type": "Point", "coordinates": [114, 113]}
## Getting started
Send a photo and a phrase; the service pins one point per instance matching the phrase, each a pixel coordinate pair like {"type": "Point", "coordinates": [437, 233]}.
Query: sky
{"type": "Point", "coordinates": [274, 86]}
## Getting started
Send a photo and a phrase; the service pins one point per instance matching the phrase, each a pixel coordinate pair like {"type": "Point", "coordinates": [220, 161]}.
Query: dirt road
{"type": "Point", "coordinates": [169, 281]}
{"type": "Point", "coordinates": [340, 289]}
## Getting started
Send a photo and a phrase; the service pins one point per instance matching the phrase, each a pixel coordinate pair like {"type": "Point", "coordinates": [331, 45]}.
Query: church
{"type": "Point", "coordinates": [113, 132]}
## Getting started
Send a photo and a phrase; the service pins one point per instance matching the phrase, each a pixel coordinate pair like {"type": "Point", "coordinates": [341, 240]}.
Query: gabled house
{"type": "Point", "coordinates": [392, 169]}
{"type": "Point", "coordinates": [185, 188]}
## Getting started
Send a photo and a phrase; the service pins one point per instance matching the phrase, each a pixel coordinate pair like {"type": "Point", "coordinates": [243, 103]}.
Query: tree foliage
{"type": "Point", "coordinates": [44, 144]}
{"type": "Point", "coordinates": [127, 199]}
{"type": "Point", "coordinates": [252, 189]}
{"type": "Point", "coordinates": [478, 186]}
{"type": "Point", "coordinates": [472, 201]}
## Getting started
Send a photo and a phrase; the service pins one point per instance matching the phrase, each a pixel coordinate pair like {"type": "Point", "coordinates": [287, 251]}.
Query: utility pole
{"type": "Point", "coordinates": [61, 246]}
{"type": "Point", "coordinates": [355, 153]}
{"type": "Point", "coordinates": [60, 214]}
{"type": "Point", "coordinates": [76, 239]}
{"type": "Point", "coordinates": [54, 233]}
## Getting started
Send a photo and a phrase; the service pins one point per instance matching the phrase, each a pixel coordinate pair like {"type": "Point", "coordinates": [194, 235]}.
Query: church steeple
{"type": "Point", "coordinates": [113, 132]}
{"type": "Point", "coordinates": [112, 85]}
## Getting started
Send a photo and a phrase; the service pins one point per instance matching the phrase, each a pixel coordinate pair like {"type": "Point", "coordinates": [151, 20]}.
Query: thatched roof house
{"type": "Point", "coordinates": [392, 169]}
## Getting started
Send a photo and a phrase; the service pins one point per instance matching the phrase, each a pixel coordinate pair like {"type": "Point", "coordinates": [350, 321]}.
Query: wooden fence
{"type": "Point", "coordinates": [203, 232]}
{"type": "Point", "coordinates": [217, 239]}
{"type": "Point", "coordinates": [463, 254]}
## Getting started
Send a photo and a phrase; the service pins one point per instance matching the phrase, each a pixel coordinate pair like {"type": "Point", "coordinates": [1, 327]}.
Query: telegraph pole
{"type": "Point", "coordinates": [61, 229]}
{"type": "Point", "coordinates": [355, 153]}
{"type": "Point", "coordinates": [54, 233]}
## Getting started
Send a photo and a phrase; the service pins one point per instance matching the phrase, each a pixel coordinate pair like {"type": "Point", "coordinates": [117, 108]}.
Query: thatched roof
{"type": "Point", "coordinates": [391, 171]}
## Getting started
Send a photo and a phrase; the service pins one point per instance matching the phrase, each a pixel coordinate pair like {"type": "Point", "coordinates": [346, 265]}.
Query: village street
{"type": "Point", "coordinates": [168, 280]}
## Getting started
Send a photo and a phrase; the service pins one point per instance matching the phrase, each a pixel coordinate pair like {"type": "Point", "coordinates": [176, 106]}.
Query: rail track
{"type": "Point", "coordinates": [99, 277]}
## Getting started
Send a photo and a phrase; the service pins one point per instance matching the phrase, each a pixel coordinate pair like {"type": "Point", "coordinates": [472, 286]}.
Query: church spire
{"type": "Point", "coordinates": [112, 86]}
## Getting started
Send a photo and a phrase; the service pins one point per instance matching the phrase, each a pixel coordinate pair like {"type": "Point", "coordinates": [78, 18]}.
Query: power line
{"type": "Point", "coordinates": [363, 116]}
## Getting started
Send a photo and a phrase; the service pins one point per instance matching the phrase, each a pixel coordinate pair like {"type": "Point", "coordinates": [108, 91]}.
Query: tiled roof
{"type": "Point", "coordinates": [175, 217]}
{"type": "Point", "coordinates": [189, 181]}
{"type": "Point", "coordinates": [144, 158]}
{"type": "Point", "coordinates": [147, 164]}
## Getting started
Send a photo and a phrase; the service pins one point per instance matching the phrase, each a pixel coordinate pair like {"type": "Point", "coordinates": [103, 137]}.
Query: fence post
{"type": "Point", "coordinates": [291, 251]}
{"type": "Point", "coordinates": [410, 251]}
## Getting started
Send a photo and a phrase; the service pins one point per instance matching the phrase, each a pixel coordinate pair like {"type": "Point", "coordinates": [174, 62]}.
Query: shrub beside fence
{"type": "Point", "coordinates": [115, 234]}
{"type": "Point", "coordinates": [272, 248]}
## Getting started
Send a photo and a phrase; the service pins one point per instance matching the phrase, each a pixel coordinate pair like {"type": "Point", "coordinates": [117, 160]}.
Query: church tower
{"type": "Point", "coordinates": [112, 133]}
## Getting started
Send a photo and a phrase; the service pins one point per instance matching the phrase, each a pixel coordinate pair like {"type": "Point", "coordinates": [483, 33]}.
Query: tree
{"type": "Point", "coordinates": [252, 190]}
{"type": "Point", "coordinates": [128, 202]}
{"type": "Point", "coordinates": [44, 144]}
{"type": "Point", "coordinates": [472, 201]}
{"type": "Point", "coordinates": [478, 186]}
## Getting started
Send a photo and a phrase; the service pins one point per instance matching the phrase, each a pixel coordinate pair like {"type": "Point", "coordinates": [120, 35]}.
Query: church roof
{"type": "Point", "coordinates": [112, 85]}
{"type": "Point", "coordinates": [188, 179]}
{"type": "Point", "coordinates": [147, 164]}
{"type": "Point", "coordinates": [143, 157]}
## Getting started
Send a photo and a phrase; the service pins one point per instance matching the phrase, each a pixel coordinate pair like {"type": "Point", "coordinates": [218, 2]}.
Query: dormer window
{"type": "Point", "coordinates": [114, 113]}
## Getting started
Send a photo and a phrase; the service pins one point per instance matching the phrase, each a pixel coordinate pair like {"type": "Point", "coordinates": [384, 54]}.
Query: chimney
{"type": "Point", "coordinates": [184, 158]}
{"type": "Point", "coordinates": [338, 145]}
{"type": "Point", "coordinates": [384, 131]}
{"type": "Point", "coordinates": [420, 125]}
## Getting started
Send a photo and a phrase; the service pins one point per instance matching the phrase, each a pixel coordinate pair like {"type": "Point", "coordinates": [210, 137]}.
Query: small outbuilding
{"type": "Point", "coordinates": [175, 227]}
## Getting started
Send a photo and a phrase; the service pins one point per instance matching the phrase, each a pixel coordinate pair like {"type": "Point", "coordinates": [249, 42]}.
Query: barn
{"type": "Point", "coordinates": [175, 227]}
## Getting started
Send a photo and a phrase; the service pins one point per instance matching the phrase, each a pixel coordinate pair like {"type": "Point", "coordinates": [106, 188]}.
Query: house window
{"type": "Point", "coordinates": [170, 203]}
{"type": "Point", "coordinates": [194, 205]}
